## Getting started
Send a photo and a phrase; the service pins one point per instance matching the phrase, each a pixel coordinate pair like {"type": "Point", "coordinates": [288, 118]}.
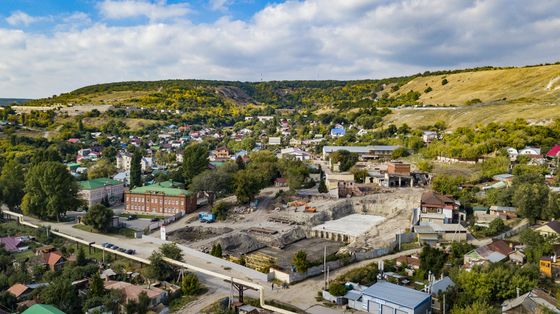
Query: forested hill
{"type": "Point", "coordinates": [457, 88]}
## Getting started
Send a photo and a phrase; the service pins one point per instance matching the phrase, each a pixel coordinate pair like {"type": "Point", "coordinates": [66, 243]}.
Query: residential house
{"type": "Point", "coordinates": [504, 212]}
{"type": "Point", "coordinates": [385, 297]}
{"type": "Point", "coordinates": [530, 151]}
{"type": "Point", "coordinates": [512, 153]}
{"type": "Point", "coordinates": [50, 257]}
{"type": "Point", "coordinates": [435, 206]}
{"type": "Point", "coordinates": [123, 160]}
{"type": "Point", "coordinates": [131, 292]}
{"type": "Point", "coordinates": [274, 141]}
{"type": "Point", "coordinates": [549, 266]}
{"type": "Point", "coordinates": [411, 263]}
{"type": "Point", "coordinates": [42, 309]}
{"type": "Point", "coordinates": [435, 289]}
{"type": "Point", "coordinates": [429, 136]}
{"type": "Point", "coordinates": [364, 152]}
{"type": "Point", "coordinates": [95, 191]}
{"type": "Point", "coordinates": [295, 153]}
{"type": "Point", "coordinates": [434, 232]}
{"type": "Point", "coordinates": [496, 251]}
{"type": "Point", "coordinates": [554, 152]}
{"type": "Point", "coordinates": [165, 198]}
{"type": "Point", "coordinates": [20, 291]}
{"type": "Point", "coordinates": [535, 301]}
{"type": "Point", "coordinates": [550, 229]}
{"type": "Point", "coordinates": [338, 131]}
{"type": "Point", "coordinates": [222, 153]}
{"type": "Point", "coordinates": [280, 182]}
{"type": "Point", "coordinates": [87, 154]}
{"type": "Point", "coordinates": [14, 244]}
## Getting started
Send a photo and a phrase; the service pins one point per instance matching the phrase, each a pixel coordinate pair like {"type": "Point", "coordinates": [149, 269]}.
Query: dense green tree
{"type": "Point", "coordinates": [216, 250]}
{"type": "Point", "coordinates": [195, 161]}
{"type": "Point", "coordinates": [99, 217]}
{"type": "Point", "coordinates": [49, 154]}
{"type": "Point", "coordinates": [221, 210]}
{"type": "Point", "coordinates": [103, 168]}
{"type": "Point", "coordinates": [552, 209]}
{"type": "Point", "coordinates": [240, 163]}
{"type": "Point", "coordinates": [478, 308]}
{"type": "Point", "coordinates": [61, 294]}
{"type": "Point", "coordinates": [295, 171]}
{"type": "Point", "coordinates": [171, 250]}
{"type": "Point", "coordinates": [345, 158]}
{"type": "Point", "coordinates": [529, 199]}
{"type": "Point", "coordinates": [360, 174]}
{"type": "Point", "coordinates": [96, 288]}
{"type": "Point", "coordinates": [536, 245]}
{"type": "Point", "coordinates": [493, 166]}
{"type": "Point", "coordinates": [217, 181]}
{"type": "Point", "coordinates": [12, 184]}
{"type": "Point", "coordinates": [432, 259]}
{"type": "Point", "coordinates": [136, 169]}
{"type": "Point", "coordinates": [143, 303]}
{"type": "Point", "coordinates": [447, 184]}
{"type": "Point", "coordinates": [300, 261]}
{"type": "Point", "coordinates": [81, 259]}
{"type": "Point", "coordinates": [50, 191]}
{"type": "Point", "coordinates": [322, 186]}
{"type": "Point", "coordinates": [190, 284]}
{"type": "Point", "coordinates": [158, 268]}
{"type": "Point", "coordinates": [8, 301]}
{"type": "Point", "coordinates": [247, 185]}
{"type": "Point", "coordinates": [337, 289]}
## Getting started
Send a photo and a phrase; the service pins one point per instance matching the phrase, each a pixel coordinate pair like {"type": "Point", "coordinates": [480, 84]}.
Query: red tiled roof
{"type": "Point", "coordinates": [18, 289]}
{"type": "Point", "coordinates": [436, 199]}
{"type": "Point", "coordinates": [500, 246]}
{"type": "Point", "coordinates": [53, 258]}
{"type": "Point", "coordinates": [554, 152]}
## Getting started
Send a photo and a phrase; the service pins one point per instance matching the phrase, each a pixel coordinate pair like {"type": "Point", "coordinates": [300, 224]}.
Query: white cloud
{"type": "Point", "coordinates": [313, 39]}
{"type": "Point", "coordinates": [121, 9]}
{"type": "Point", "coordinates": [21, 18]}
{"type": "Point", "coordinates": [220, 5]}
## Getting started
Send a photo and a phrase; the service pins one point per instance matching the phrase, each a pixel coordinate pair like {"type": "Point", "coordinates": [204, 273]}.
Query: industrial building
{"type": "Point", "coordinates": [346, 229]}
{"type": "Point", "coordinates": [387, 298]}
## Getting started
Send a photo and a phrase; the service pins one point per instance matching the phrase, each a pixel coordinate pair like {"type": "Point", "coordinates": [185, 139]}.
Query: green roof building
{"type": "Point", "coordinates": [164, 198]}
{"type": "Point", "coordinates": [95, 191]}
{"type": "Point", "coordinates": [42, 309]}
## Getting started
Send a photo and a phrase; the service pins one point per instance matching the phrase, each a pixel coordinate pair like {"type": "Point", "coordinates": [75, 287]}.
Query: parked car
{"type": "Point", "coordinates": [114, 247]}
{"type": "Point", "coordinates": [154, 219]}
{"type": "Point", "coordinates": [121, 250]}
{"type": "Point", "coordinates": [130, 251]}
{"type": "Point", "coordinates": [132, 217]}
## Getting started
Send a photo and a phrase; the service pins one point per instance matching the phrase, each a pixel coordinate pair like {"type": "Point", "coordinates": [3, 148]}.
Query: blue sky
{"type": "Point", "coordinates": [53, 46]}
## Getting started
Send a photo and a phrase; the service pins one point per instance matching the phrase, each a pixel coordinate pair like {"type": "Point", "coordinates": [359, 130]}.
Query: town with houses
{"type": "Point", "coordinates": [364, 228]}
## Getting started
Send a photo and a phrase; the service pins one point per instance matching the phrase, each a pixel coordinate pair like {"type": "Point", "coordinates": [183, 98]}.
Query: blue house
{"type": "Point", "coordinates": [338, 132]}
{"type": "Point", "coordinates": [387, 298]}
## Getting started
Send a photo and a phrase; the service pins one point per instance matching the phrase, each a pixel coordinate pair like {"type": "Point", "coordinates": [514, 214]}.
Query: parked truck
{"type": "Point", "coordinates": [206, 217]}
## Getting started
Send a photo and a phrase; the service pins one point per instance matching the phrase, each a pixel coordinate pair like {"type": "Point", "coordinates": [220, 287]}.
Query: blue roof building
{"type": "Point", "coordinates": [385, 297]}
{"type": "Point", "coordinates": [338, 132]}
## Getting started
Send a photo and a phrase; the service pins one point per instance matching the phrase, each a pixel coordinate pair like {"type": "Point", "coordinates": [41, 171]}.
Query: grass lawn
{"type": "Point", "coordinates": [127, 232]}
{"type": "Point", "coordinates": [125, 215]}
{"type": "Point", "coordinates": [21, 256]}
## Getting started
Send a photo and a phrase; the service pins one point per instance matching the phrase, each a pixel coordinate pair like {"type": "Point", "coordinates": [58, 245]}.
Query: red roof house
{"type": "Point", "coordinates": [554, 152]}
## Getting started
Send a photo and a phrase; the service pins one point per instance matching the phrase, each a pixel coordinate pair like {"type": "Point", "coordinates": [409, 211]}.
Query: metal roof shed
{"type": "Point", "coordinates": [385, 297]}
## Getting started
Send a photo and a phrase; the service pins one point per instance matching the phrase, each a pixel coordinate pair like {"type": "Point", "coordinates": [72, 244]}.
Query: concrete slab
{"type": "Point", "coordinates": [352, 225]}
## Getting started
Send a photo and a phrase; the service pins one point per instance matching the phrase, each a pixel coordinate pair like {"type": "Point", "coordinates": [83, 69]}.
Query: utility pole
{"type": "Point", "coordinates": [325, 268]}
{"type": "Point", "coordinates": [444, 303]}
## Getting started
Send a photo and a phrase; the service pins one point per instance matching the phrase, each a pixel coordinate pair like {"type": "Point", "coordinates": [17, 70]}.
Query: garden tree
{"type": "Point", "coordinates": [99, 217]}
{"type": "Point", "coordinates": [536, 245]}
{"type": "Point", "coordinates": [478, 308]}
{"type": "Point", "coordinates": [263, 165]}
{"type": "Point", "coordinates": [143, 303]}
{"type": "Point", "coordinates": [399, 153]}
{"type": "Point", "coordinates": [81, 259]}
{"type": "Point", "coordinates": [12, 184]}
{"type": "Point", "coordinates": [500, 197]}
{"type": "Point", "coordinates": [171, 250]}
{"type": "Point", "coordinates": [49, 154]}
{"type": "Point", "coordinates": [190, 284]}
{"type": "Point", "coordinates": [295, 171]}
{"type": "Point", "coordinates": [240, 163]}
{"type": "Point", "coordinates": [493, 166]}
{"type": "Point", "coordinates": [247, 185]}
{"type": "Point", "coordinates": [447, 184]}
{"type": "Point", "coordinates": [475, 287]}
{"type": "Point", "coordinates": [96, 288]}
{"type": "Point", "coordinates": [217, 181]}
{"type": "Point", "coordinates": [322, 186]}
{"type": "Point", "coordinates": [103, 168]}
{"type": "Point", "coordinates": [552, 208]}
{"type": "Point", "coordinates": [62, 294]}
{"type": "Point", "coordinates": [521, 169]}
{"type": "Point", "coordinates": [457, 250]}
{"type": "Point", "coordinates": [424, 165]}
{"type": "Point", "coordinates": [221, 210]}
{"type": "Point", "coordinates": [496, 227]}
{"type": "Point", "coordinates": [300, 261]}
{"type": "Point", "coordinates": [8, 301]}
{"type": "Point", "coordinates": [109, 153]}
{"type": "Point", "coordinates": [216, 250]}
{"type": "Point", "coordinates": [432, 259]}
{"type": "Point", "coordinates": [529, 199]}
{"type": "Point", "coordinates": [136, 169]}
{"type": "Point", "coordinates": [158, 269]}
{"type": "Point", "coordinates": [359, 174]}
{"type": "Point", "coordinates": [112, 301]}
{"type": "Point", "coordinates": [345, 158]}
{"type": "Point", "coordinates": [337, 289]}
{"type": "Point", "coordinates": [195, 161]}
{"type": "Point", "coordinates": [50, 191]}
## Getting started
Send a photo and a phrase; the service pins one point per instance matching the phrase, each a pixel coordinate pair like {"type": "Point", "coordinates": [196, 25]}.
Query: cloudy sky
{"type": "Point", "coordinates": [53, 46]}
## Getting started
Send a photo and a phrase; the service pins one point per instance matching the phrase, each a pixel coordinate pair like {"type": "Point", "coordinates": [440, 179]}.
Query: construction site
{"type": "Point", "coordinates": [270, 234]}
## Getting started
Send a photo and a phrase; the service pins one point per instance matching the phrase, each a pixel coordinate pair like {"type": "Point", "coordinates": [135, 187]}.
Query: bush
{"type": "Point", "coordinates": [337, 289]}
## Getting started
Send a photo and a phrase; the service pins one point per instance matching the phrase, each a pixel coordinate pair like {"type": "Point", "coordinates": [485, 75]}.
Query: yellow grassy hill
{"type": "Point", "coordinates": [531, 93]}
{"type": "Point", "coordinates": [535, 84]}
